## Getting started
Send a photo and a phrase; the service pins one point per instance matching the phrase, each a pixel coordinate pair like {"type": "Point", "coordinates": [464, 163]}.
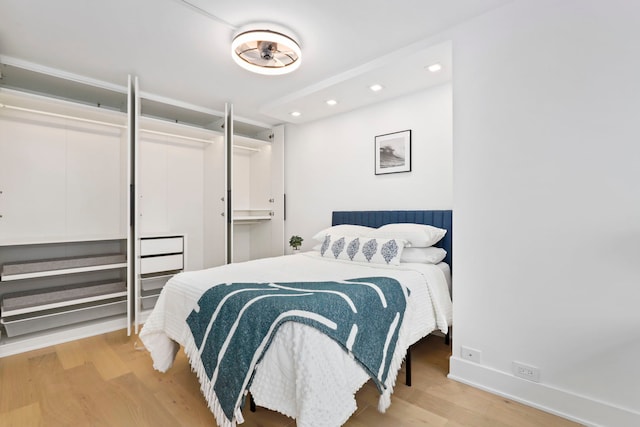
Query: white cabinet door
{"type": "Point", "coordinates": [278, 238]}
{"type": "Point", "coordinates": [215, 204]}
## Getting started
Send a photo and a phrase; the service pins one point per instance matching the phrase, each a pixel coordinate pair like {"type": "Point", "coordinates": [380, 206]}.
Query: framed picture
{"type": "Point", "coordinates": [393, 152]}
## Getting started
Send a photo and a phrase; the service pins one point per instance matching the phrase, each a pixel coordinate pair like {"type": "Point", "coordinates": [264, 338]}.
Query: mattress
{"type": "Point", "coordinates": [304, 374]}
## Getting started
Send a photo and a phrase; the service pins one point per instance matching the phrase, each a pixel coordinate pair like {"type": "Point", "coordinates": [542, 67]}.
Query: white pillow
{"type": "Point", "coordinates": [362, 249]}
{"type": "Point", "coordinates": [430, 255]}
{"type": "Point", "coordinates": [345, 230]}
{"type": "Point", "coordinates": [416, 235]}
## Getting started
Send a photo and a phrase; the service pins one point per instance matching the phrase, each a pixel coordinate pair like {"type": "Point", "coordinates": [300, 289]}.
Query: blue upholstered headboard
{"type": "Point", "coordinates": [441, 219]}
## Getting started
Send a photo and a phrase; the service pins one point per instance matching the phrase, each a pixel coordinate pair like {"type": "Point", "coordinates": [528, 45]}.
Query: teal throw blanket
{"type": "Point", "coordinates": [234, 324]}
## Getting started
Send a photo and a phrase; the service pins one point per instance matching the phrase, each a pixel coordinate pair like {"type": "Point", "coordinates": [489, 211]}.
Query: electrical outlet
{"type": "Point", "coordinates": [527, 372]}
{"type": "Point", "coordinates": [470, 354]}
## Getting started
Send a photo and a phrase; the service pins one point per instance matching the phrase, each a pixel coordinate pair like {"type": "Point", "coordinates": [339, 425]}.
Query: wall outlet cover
{"type": "Point", "coordinates": [471, 354]}
{"type": "Point", "coordinates": [525, 371]}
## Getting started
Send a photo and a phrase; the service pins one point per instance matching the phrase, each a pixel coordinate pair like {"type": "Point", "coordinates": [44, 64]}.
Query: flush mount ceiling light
{"type": "Point", "coordinates": [266, 49]}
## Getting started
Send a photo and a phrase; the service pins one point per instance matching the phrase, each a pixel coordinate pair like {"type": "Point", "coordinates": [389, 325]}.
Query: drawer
{"type": "Point", "coordinates": [161, 263]}
{"type": "Point", "coordinates": [165, 245]}
{"type": "Point", "coordinates": [154, 283]}
{"type": "Point", "coordinates": [149, 302]}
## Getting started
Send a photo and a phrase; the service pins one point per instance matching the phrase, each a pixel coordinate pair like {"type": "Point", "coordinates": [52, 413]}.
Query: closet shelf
{"type": "Point", "coordinates": [61, 266]}
{"type": "Point", "coordinates": [55, 318]}
{"type": "Point", "coordinates": [245, 218]}
{"type": "Point", "coordinates": [251, 215]}
{"type": "Point", "coordinates": [25, 302]}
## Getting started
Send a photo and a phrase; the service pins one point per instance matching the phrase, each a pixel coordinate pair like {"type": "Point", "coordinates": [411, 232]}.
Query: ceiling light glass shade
{"type": "Point", "coordinates": [266, 52]}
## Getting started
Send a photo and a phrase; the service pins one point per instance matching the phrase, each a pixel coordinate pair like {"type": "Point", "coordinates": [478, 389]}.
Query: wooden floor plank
{"type": "Point", "coordinates": [108, 381]}
{"type": "Point", "coordinates": [28, 415]}
{"type": "Point", "coordinates": [16, 389]}
{"type": "Point", "coordinates": [105, 359]}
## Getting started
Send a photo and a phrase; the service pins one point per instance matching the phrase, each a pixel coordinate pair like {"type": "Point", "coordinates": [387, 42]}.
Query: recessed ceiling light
{"type": "Point", "coordinates": [332, 102]}
{"type": "Point", "coordinates": [296, 113]}
{"type": "Point", "coordinates": [434, 68]}
{"type": "Point", "coordinates": [375, 87]}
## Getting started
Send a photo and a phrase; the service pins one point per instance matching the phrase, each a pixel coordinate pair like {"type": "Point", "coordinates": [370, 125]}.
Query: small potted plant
{"type": "Point", "coordinates": [295, 242]}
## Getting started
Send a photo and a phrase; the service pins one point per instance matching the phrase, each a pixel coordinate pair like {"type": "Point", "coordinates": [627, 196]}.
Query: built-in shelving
{"type": "Point", "coordinates": [56, 267]}
{"type": "Point", "coordinates": [161, 257]}
{"type": "Point", "coordinates": [90, 172]}
{"type": "Point", "coordinates": [56, 298]}
{"type": "Point", "coordinates": [53, 285]}
{"type": "Point", "coordinates": [64, 222]}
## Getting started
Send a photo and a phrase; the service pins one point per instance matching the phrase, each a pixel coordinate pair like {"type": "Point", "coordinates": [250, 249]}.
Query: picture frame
{"type": "Point", "coordinates": [393, 152]}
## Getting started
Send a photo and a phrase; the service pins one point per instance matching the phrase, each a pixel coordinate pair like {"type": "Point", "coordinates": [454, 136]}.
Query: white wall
{"type": "Point", "coordinates": [329, 164]}
{"type": "Point", "coordinates": [547, 204]}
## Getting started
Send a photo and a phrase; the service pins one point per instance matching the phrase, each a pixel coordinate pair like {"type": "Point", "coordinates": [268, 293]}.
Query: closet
{"type": "Point", "coordinates": [63, 216]}
{"type": "Point", "coordinates": [106, 192]}
{"type": "Point", "coordinates": [255, 183]}
{"type": "Point", "coordinates": [179, 175]}
{"type": "Point", "coordinates": [211, 188]}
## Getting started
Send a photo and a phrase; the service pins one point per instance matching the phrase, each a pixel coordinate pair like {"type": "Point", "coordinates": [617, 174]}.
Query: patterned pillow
{"type": "Point", "coordinates": [362, 249]}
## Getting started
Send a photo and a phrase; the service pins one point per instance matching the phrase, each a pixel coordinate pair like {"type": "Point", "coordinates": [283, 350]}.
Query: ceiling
{"type": "Point", "coordinates": [180, 49]}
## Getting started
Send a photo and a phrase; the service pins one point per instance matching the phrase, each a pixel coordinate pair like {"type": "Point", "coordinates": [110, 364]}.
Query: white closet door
{"type": "Point", "coordinates": [215, 204]}
{"type": "Point", "coordinates": [95, 175]}
{"type": "Point", "coordinates": [32, 177]}
{"type": "Point", "coordinates": [278, 239]}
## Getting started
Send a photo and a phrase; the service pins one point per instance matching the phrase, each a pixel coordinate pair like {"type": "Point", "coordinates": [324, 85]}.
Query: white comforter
{"type": "Point", "coordinates": [304, 374]}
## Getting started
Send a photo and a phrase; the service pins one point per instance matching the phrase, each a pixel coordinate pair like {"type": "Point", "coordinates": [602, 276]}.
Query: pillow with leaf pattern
{"type": "Point", "coordinates": [362, 249]}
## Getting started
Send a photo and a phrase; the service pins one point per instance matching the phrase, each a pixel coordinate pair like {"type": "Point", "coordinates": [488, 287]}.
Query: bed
{"type": "Point", "coordinates": [294, 368]}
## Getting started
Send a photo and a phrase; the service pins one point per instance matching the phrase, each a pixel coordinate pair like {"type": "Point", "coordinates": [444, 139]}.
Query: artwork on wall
{"type": "Point", "coordinates": [393, 152]}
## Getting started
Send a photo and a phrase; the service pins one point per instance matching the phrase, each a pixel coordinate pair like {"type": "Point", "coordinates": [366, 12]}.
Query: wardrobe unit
{"type": "Point", "coordinates": [179, 179]}
{"type": "Point", "coordinates": [255, 183]}
{"type": "Point", "coordinates": [200, 182]}
{"type": "Point", "coordinates": [64, 229]}
{"type": "Point", "coordinates": [106, 193]}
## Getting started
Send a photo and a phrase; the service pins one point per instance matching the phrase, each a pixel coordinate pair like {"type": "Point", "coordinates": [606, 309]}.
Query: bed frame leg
{"type": "Point", "coordinates": [407, 371]}
{"type": "Point", "coordinates": [447, 338]}
{"type": "Point", "coordinates": [252, 403]}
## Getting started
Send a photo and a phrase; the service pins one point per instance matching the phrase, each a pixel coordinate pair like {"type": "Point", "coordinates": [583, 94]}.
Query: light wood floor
{"type": "Point", "coordinates": [105, 381]}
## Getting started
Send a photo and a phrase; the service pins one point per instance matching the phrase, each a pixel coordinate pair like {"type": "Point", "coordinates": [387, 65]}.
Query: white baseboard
{"type": "Point", "coordinates": [581, 409]}
{"type": "Point", "coordinates": [29, 342]}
